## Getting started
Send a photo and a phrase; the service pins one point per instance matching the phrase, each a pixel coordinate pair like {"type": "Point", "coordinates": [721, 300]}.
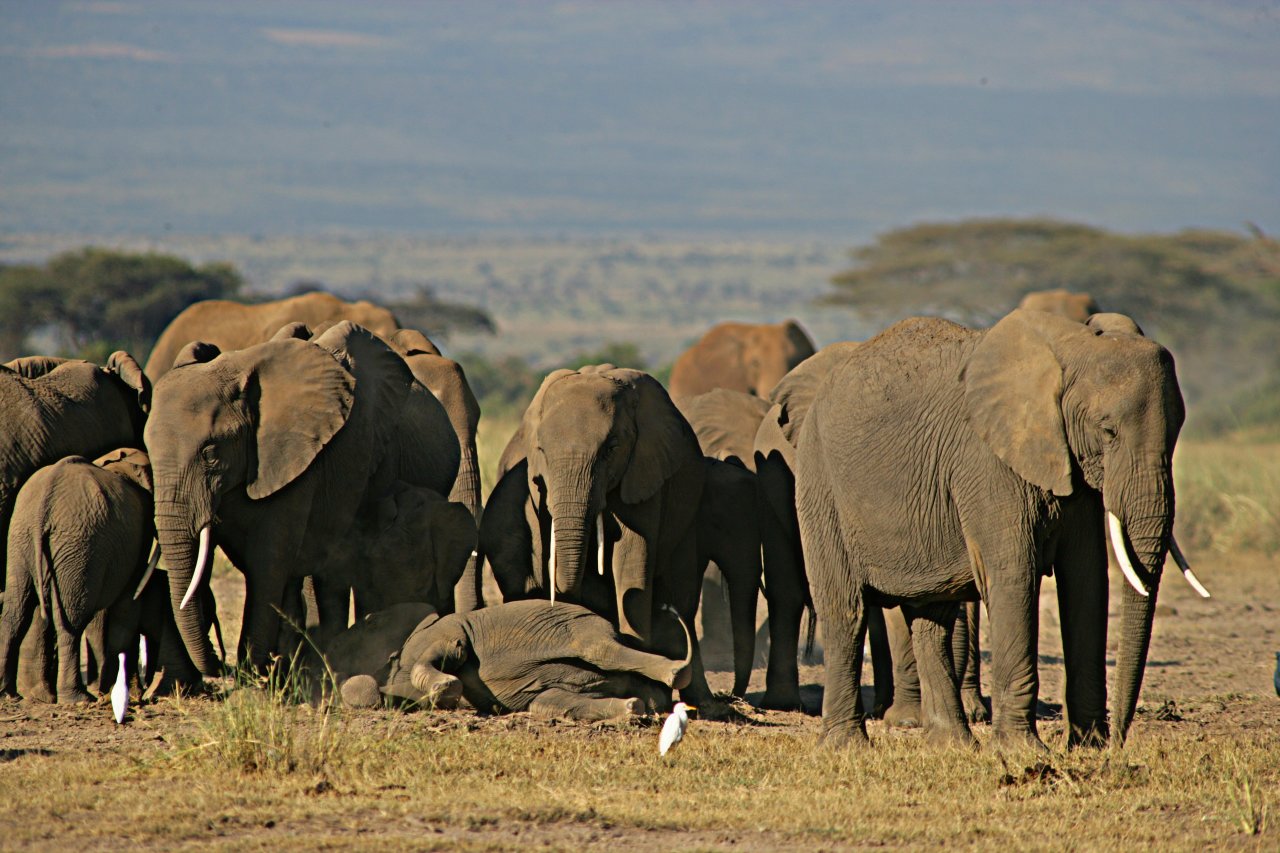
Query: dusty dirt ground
{"type": "Point", "coordinates": [1210, 671]}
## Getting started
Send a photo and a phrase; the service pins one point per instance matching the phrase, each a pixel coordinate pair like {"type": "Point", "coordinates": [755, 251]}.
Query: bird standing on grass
{"type": "Point", "coordinates": [673, 728]}
{"type": "Point", "coordinates": [1276, 678]}
{"type": "Point", "coordinates": [120, 693]}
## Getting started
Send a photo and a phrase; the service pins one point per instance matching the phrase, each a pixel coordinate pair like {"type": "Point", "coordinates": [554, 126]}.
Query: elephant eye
{"type": "Point", "coordinates": [1109, 432]}
{"type": "Point", "coordinates": [209, 454]}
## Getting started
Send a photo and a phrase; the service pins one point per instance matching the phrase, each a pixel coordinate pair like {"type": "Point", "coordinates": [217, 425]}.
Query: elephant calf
{"type": "Point", "coordinates": [77, 545]}
{"type": "Point", "coordinates": [554, 660]}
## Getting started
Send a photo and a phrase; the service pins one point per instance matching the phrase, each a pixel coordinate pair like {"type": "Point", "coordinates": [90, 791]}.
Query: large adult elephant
{"type": "Point", "coordinates": [236, 325]}
{"type": "Point", "coordinates": [56, 407]}
{"type": "Point", "coordinates": [269, 452]}
{"type": "Point", "coordinates": [605, 451]}
{"type": "Point", "coordinates": [746, 357]}
{"type": "Point", "coordinates": [938, 463]}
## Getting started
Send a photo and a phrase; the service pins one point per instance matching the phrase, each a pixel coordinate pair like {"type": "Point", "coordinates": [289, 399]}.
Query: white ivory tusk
{"type": "Point", "coordinates": [1186, 568]}
{"type": "Point", "coordinates": [151, 567]}
{"type": "Point", "coordinates": [600, 540]}
{"type": "Point", "coordinates": [552, 562]}
{"type": "Point", "coordinates": [206, 533]}
{"type": "Point", "coordinates": [1116, 534]}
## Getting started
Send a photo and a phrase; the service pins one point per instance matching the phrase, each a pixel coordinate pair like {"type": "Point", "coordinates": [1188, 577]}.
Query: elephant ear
{"type": "Point", "coordinates": [128, 462]}
{"type": "Point", "coordinates": [664, 443]}
{"type": "Point", "coordinates": [303, 397]}
{"type": "Point", "coordinates": [409, 342]}
{"type": "Point", "coordinates": [130, 372]}
{"type": "Point", "coordinates": [196, 352]}
{"type": "Point", "coordinates": [1013, 386]}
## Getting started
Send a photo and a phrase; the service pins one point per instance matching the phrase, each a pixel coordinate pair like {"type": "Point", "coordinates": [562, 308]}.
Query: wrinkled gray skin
{"type": "Point", "coordinates": [367, 648]}
{"type": "Point", "coordinates": [606, 446]}
{"type": "Point", "coordinates": [78, 544]}
{"type": "Point", "coordinates": [56, 407]}
{"type": "Point", "coordinates": [277, 448]}
{"type": "Point", "coordinates": [413, 545]}
{"type": "Point", "coordinates": [745, 357]}
{"type": "Point", "coordinates": [236, 325]}
{"type": "Point", "coordinates": [1019, 438]}
{"type": "Point", "coordinates": [554, 660]}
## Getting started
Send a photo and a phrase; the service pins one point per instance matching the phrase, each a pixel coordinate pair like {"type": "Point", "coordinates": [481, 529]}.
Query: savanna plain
{"type": "Point", "coordinates": [247, 768]}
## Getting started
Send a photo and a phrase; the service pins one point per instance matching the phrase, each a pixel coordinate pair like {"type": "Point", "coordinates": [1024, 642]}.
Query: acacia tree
{"type": "Point", "coordinates": [1212, 297]}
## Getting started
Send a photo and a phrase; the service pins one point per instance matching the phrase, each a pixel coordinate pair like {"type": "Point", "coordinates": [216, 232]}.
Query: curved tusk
{"type": "Point", "coordinates": [1115, 531]}
{"type": "Point", "coordinates": [600, 540]}
{"type": "Point", "coordinates": [552, 562]}
{"type": "Point", "coordinates": [1186, 568]}
{"type": "Point", "coordinates": [151, 567]}
{"type": "Point", "coordinates": [202, 558]}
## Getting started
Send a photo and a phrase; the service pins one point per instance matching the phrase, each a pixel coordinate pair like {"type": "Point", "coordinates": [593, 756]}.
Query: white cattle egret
{"type": "Point", "coordinates": [673, 728]}
{"type": "Point", "coordinates": [120, 693]}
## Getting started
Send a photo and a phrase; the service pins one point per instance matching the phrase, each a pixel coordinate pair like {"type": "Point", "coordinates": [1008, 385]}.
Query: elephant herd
{"type": "Point", "coordinates": [888, 485]}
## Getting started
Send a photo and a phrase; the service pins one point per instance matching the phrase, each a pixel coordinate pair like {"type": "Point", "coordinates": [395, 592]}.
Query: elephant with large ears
{"type": "Point", "coordinates": [745, 357]}
{"type": "Point", "coordinates": [613, 475]}
{"type": "Point", "coordinates": [56, 407]}
{"type": "Point", "coordinates": [939, 463]}
{"type": "Point", "coordinates": [78, 545]}
{"type": "Point", "coordinates": [270, 452]}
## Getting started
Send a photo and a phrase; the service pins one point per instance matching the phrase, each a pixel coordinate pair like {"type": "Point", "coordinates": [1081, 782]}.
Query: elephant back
{"type": "Point", "coordinates": [795, 393]}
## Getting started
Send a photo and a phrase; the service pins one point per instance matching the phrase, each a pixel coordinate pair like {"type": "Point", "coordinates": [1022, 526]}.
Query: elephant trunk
{"type": "Point", "coordinates": [180, 554]}
{"type": "Point", "coordinates": [572, 524]}
{"type": "Point", "coordinates": [1140, 528]}
{"type": "Point", "coordinates": [467, 593]}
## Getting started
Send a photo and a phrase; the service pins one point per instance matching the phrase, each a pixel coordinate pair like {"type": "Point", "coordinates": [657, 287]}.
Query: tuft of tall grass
{"type": "Point", "coordinates": [268, 724]}
{"type": "Point", "coordinates": [1228, 496]}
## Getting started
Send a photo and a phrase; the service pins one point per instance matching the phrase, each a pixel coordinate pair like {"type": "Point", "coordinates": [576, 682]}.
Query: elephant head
{"type": "Point", "coordinates": [434, 653]}
{"type": "Point", "coordinates": [251, 422]}
{"type": "Point", "coordinates": [1066, 405]}
{"type": "Point", "coordinates": [592, 436]}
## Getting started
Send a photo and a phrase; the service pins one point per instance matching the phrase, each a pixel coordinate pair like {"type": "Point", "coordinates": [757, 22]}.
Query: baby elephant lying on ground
{"type": "Point", "coordinates": [554, 660]}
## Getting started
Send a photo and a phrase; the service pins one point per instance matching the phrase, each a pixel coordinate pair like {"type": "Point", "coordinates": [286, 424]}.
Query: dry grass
{"type": "Point", "coordinates": [1228, 495]}
{"type": "Point", "coordinates": [509, 782]}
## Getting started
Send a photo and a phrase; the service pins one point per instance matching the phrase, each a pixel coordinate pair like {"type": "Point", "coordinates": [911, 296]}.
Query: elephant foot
{"type": "Point", "coordinates": [844, 736]}
{"type": "Point", "coordinates": [1019, 739]}
{"type": "Point", "coordinates": [169, 685]}
{"type": "Point", "coordinates": [950, 736]}
{"type": "Point", "coordinates": [681, 678]}
{"type": "Point", "coordinates": [904, 715]}
{"type": "Point", "coordinates": [361, 691]}
{"type": "Point", "coordinates": [75, 696]}
{"type": "Point", "coordinates": [35, 691]}
{"type": "Point", "coordinates": [781, 700]}
{"type": "Point", "coordinates": [976, 706]}
{"type": "Point", "coordinates": [1089, 737]}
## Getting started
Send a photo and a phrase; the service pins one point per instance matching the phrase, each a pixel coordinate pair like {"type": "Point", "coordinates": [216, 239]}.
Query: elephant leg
{"type": "Point", "coordinates": [785, 594]}
{"type": "Point", "coordinates": [905, 710]}
{"type": "Point", "coordinates": [1013, 607]}
{"type": "Point", "coordinates": [333, 608]}
{"type": "Point", "coordinates": [261, 624]}
{"type": "Point", "coordinates": [881, 660]}
{"type": "Point", "coordinates": [38, 662]}
{"type": "Point", "coordinates": [558, 703]}
{"type": "Point", "coordinates": [95, 648]}
{"type": "Point", "coordinates": [19, 627]}
{"type": "Point", "coordinates": [1081, 569]}
{"type": "Point", "coordinates": [968, 661]}
{"type": "Point", "coordinates": [717, 629]}
{"type": "Point", "coordinates": [633, 572]}
{"type": "Point", "coordinates": [932, 627]}
{"type": "Point", "coordinates": [681, 589]}
{"type": "Point", "coordinates": [70, 688]}
{"type": "Point", "coordinates": [610, 655]}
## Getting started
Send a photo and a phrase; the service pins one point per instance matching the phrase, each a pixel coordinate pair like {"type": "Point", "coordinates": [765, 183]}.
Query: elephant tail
{"type": "Point", "coordinates": [42, 576]}
{"type": "Point", "coordinates": [811, 628]}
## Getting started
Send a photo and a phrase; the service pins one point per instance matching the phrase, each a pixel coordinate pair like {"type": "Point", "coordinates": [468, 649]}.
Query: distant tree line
{"type": "Point", "coordinates": [1212, 297]}
{"type": "Point", "coordinates": [92, 301]}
